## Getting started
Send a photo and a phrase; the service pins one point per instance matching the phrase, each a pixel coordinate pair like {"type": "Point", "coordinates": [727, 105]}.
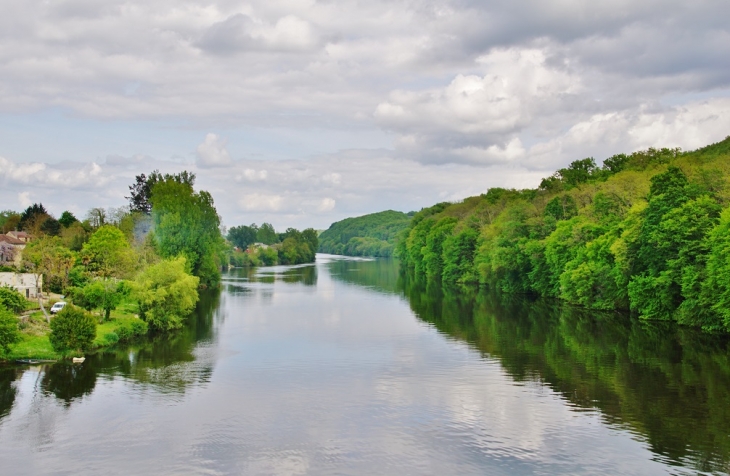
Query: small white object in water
{"type": "Point", "coordinates": [78, 360]}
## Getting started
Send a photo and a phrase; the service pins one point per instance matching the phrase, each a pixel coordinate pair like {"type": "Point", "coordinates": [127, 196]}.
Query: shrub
{"type": "Point", "coordinates": [73, 329]}
{"type": "Point", "coordinates": [12, 299]}
{"type": "Point", "coordinates": [111, 338]}
{"type": "Point", "coordinates": [128, 329]}
{"type": "Point", "coordinates": [9, 333]}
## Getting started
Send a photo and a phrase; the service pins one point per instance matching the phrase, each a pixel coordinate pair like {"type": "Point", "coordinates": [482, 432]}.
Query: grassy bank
{"type": "Point", "coordinates": [122, 326]}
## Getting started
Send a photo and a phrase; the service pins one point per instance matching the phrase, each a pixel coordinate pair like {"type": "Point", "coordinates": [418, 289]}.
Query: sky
{"type": "Point", "coordinates": [301, 112]}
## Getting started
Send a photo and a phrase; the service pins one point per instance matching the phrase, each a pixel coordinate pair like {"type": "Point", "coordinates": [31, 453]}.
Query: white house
{"type": "Point", "coordinates": [25, 283]}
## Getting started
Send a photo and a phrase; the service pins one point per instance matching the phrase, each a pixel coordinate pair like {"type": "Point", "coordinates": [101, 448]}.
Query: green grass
{"type": "Point", "coordinates": [32, 347]}
{"type": "Point", "coordinates": [34, 330]}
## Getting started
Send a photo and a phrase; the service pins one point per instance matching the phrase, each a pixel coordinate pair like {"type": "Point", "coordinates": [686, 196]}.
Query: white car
{"type": "Point", "coordinates": [56, 308]}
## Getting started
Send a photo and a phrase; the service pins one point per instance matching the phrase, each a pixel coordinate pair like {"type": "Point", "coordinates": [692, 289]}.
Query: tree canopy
{"type": "Point", "coordinates": [186, 223]}
{"type": "Point", "coordinates": [645, 231]}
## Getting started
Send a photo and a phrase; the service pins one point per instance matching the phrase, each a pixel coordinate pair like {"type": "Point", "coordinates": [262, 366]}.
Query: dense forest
{"type": "Point", "coordinates": [369, 235]}
{"type": "Point", "coordinates": [262, 245]}
{"type": "Point", "coordinates": [647, 232]}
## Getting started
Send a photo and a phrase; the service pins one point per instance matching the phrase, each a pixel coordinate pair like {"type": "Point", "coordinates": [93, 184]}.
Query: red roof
{"type": "Point", "coordinates": [11, 240]}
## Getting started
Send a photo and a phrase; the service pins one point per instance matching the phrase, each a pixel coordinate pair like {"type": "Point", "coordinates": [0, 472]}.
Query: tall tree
{"type": "Point", "coordinates": [31, 214]}
{"type": "Point", "coordinates": [46, 256]}
{"type": "Point", "coordinates": [67, 219]}
{"type": "Point", "coordinates": [140, 192]}
{"type": "Point", "coordinates": [187, 223]}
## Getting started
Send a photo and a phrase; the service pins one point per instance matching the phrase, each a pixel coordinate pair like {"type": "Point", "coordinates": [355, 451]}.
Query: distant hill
{"type": "Point", "coordinates": [368, 235]}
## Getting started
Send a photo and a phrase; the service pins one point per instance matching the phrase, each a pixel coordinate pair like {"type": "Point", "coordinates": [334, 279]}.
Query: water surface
{"type": "Point", "coordinates": [346, 367]}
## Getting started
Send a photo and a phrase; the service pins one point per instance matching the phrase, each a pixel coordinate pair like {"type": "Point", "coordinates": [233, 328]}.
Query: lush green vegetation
{"type": "Point", "coordinates": [263, 246]}
{"type": "Point", "coordinates": [646, 231]}
{"type": "Point", "coordinates": [139, 269]}
{"type": "Point", "coordinates": [72, 330]}
{"type": "Point", "coordinates": [667, 383]}
{"type": "Point", "coordinates": [9, 333]}
{"type": "Point", "coordinates": [369, 235]}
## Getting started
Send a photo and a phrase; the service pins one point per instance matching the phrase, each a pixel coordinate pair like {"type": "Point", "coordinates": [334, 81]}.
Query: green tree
{"type": "Point", "coordinates": [266, 234]}
{"type": "Point", "coordinates": [12, 300]}
{"type": "Point", "coordinates": [72, 330]}
{"type": "Point", "coordinates": [105, 294]}
{"type": "Point", "coordinates": [46, 256]}
{"type": "Point", "coordinates": [9, 221]}
{"type": "Point", "coordinates": [243, 236]}
{"type": "Point", "coordinates": [67, 219]}
{"type": "Point", "coordinates": [140, 192]}
{"type": "Point", "coordinates": [9, 333]}
{"type": "Point", "coordinates": [187, 223]}
{"type": "Point", "coordinates": [108, 253]}
{"type": "Point", "coordinates": [458, 256]}
{"type": "Point", "coordinates": [31, 215]}
{"type": "Point", "coordinates": [715, 289]}
{"type": "Point", "coordinates": [166, 294]}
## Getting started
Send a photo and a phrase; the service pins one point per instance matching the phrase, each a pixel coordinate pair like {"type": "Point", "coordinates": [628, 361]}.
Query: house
{"type": "Point", "coordinates": [24, 283]}
{"type": "Point", "coordinates": [11, 249]}
{"type": "Point", "coordinates": [20, 235]}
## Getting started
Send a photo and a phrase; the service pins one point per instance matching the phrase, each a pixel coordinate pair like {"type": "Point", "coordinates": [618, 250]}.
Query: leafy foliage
{"type": "Point", "coordinates": [12, 300]}
{"type": "Point", "coordinates": [186, 223]}
{"type": "Point", "coordinates": [73, 329]}
{"type": "Point", "coordinates": [646, 232]}
{"type": "Point", "coordinates": [9, 333]}
{"type": "Point", "coordinates": [108, 253]}
{"type": "Point", "coordinates": [166, 294]}
{"type": "Point", "coordinates": [369, 235]}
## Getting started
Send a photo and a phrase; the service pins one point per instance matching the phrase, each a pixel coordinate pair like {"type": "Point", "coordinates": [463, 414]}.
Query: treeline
{"type": "Point", "coordinates": [155, 253]}
{"type": "Point", "coordinates": [369, 235]}
{"type": "Point", "coordinates": [263, 246]}
{"type": "Point", "coordinates": [647, 232]}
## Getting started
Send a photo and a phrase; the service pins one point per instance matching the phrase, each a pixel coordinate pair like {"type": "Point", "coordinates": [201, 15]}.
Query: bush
{"type": "Point", "coordinates": [111, 338]}
{"type": "Point", "coordinates": [9, 333]}
{"type": "Point", "coordinates": [12, 299]}
{"type": "Point", "coordinates": [130, 328]}
{"type": "Point", "coordinates": [73, 329]}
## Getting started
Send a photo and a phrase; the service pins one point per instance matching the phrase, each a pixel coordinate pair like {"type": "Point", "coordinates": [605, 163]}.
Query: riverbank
{"type": "Point", "coordinates": [123, 325]}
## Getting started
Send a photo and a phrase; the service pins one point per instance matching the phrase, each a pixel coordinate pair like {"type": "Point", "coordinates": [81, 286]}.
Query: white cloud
{"type": "Point", "coordinates": [327, 205]}
{"type": "Point", "coordinates": [252, 175]}
{"type": "Point", "coordinates": [70, 176]}
{"type": "Point", "coordinates": [24, 199]}
{"type": "Point", "coordinates": [212, 152]}
{"type": "Point", "coordinates": [472, 94]}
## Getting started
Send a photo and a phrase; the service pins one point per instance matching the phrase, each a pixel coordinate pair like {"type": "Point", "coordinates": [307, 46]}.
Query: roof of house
{"type": "Point", "coordinates": [11, 240]}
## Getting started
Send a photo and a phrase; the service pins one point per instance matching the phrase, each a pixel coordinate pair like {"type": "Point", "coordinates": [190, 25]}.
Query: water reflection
{"type": "Point", "coordinates": [7, 390]}
{"type": "Point", "coordinates": [170, 362]}
{"type": "Point", "coordinates": [379, 274]}
{"type": "Point", "coordinates": [342, 378]}
{"type": "Point", "coordinates": [669, 385]}
{"type": "Point", "coordinates": [236, 279]}
{"type": "Point", "coordinates": [67, 381]}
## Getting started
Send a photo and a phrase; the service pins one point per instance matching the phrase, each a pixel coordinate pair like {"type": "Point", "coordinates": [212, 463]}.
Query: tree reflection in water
{"type": "Point", "coordinates": [670, 385]}
{"type": "Point", "coordinates": [7, 390]}
{"type": "Point", "coordinates": [67, 381]}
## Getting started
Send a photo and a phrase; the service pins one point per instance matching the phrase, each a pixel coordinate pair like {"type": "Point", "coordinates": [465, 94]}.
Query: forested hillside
{"type": "Point", "coordinates": [647, 231]}
{"type": "Point", "coordinates": [369, 235]}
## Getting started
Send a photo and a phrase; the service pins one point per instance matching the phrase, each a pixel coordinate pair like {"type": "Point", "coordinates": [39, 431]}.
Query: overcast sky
{"type": "Point", "coordinates": [301, 113]}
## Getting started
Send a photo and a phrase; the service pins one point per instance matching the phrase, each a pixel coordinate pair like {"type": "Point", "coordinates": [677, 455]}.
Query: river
{"type": "Point", "coordinates": [346, 367]}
